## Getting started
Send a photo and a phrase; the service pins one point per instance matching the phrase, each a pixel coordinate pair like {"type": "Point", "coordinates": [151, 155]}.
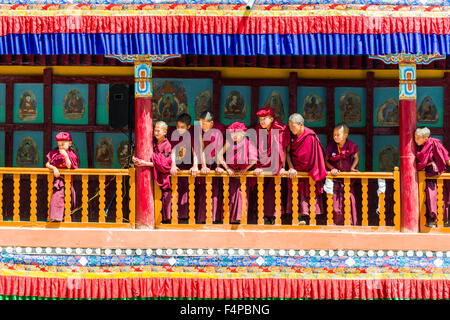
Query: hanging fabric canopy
{"type": "Point", "coordinates": [190, 27]}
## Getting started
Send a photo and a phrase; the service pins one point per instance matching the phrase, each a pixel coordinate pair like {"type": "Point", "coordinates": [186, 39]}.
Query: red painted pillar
{"type": "Point", "coordinates": [408, 173]}
{"type": "Point", "coordinates": [145, 206]}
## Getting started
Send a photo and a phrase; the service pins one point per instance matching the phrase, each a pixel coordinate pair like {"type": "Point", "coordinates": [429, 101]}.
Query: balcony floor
{"type": "Point", "coordinates": [245, 239]}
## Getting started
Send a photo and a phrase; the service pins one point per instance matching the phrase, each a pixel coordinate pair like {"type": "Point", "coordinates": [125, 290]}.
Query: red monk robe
{"type": "Point", "coordinates": [433, 151]}
{"type": "Point", "coordinates": [306, 154]}
{"type": "Point", "coordinates": [342, 159]}
{"type": "Point", "coordinates": [57, 201]}
{"type": "Point", "coordinates": [184, 161]}
{"type": "Point", "coordinates": [267, 161]}
{"type": "Point", "coordinates": [162, 162]}
{"type": "Point", "coordinates": [244, 154]}
{"type": "Point", "coordinates": [213, 141]}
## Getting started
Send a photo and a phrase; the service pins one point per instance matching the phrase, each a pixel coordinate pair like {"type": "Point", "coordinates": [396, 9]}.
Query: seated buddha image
{"type": "Point", "coordinates": [74, 105]}
{"type": "Point", "coordinates": [235, 107]}
{"type": "Point", "coordinates": [27, 153]}
{"type": "Point", "coordinates": [104, 152]}
{"type": "Point", "coordinates": [387, 113]}
{"type": "Point", "coordinates": [276, 103]}
{"type": "Point", "coordinates": [350, 108]}
{"type": "Point", "coordinates": [170, 100]}
{"type": "Point", "coordinates": [388, 158]}
{"type": "Point", "coordinates": [202, 102]}
{"type": "Point", "coordinates": [27, 106]}
{"type": "Point", "coordinates": [427, 111]}
{"type": "Point", "coordinates": [313, 108]}
{"type": "Point", "coordinates": [123, 153]}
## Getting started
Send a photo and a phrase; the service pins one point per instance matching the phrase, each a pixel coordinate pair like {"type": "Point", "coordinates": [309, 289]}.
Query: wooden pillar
{"type": "Point", "coordinates": [408, 123]}
{"type": "Point", "coordinates": [145, 204]}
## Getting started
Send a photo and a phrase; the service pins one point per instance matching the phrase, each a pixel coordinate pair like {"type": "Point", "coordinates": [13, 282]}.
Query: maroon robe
{"type": "Point", "coordinates": [212, 142]}
{"type": "Point", "coordinates": [433, 151]}
{"type": "Point", "coordinates": [57, 201]}
{"type": "Point", "coordinates": [162, 163]}
{"type": "Point", "coordinates": [265, 162]}
{"type": "Point", "coordinates": [184, 161]}
{"type": "Point", "coordinates": [307, 155]}
{"type": "Point", "coordinates": [244, 153]}
{"type": "Point", "coordinates": [342, 159]}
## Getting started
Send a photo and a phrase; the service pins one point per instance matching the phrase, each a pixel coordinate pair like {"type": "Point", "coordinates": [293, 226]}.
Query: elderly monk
{"type": "Point", "coordinates": [212, 136]}
{"type": "Point", "coordinates": [305, 153]}
{"type": "Point", "coordinates": [61, 157]}
{"type": "Point", "coordinates": [183, 158]}
{"type": "Point", "coordinates": [342, 155]}
{"type": "Point", "coordinates": [241, 155]}
{"type": "Point", "coordinates": [434, 158]}
{"type": "Point", "coordinates": [272, 141]}
{"type": "Point", "coordinates": [161, 162]}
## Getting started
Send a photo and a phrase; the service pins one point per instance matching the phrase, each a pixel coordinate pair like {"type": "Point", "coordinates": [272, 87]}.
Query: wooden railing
{"type": "Point", "coordinates": [441, 206]}
{"type": "Point", "coordinates": [25, 195]}
{"type": "Point", "coordinates": [365, 210]}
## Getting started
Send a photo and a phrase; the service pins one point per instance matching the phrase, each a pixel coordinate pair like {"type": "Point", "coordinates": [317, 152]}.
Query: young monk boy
{"type": "Point", "coordinates": [161, 162]}
{"type": "Point", "coordinates": [342, 156]}
{"type": "Point", "coordinates": [241, 155]}
{"type": "Point", "coordinates": [61, 157]}
{"type": "Point", "coordinates": [212, 137]}
{"type": "Point", "coordinates": [183, 158]}
{"type": "Point", "coordinates": [434, 158]}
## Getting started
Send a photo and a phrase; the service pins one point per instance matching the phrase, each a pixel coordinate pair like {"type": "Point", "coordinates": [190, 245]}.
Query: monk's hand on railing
{"type": "Point", "coordinates": [334, 171]}
{"type": "Point", "coordinates": [205, 170]}
{"type": "Point", "coordinates": [281, 172]}
{"type": "Point", "coordinates": [231, 172]}
{"type": "Point", "coordinates": [220, 170]}
{"type": "Point", "coordinates": [258, 172]}
{"type": "Point", "coordinates": [174, 170]}
{"type": "Point", "coordinates": [194, 171]}
{"type": "Point", "coordinates": [354, 170]}
{"type": "Point", "coordinates": [292, 173]}
{"type": "Point", "coordinates": [56, 173]}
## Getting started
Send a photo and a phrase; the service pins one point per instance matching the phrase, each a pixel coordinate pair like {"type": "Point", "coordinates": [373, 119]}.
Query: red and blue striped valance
{"type": "Point", "coordinates": [327, 29]}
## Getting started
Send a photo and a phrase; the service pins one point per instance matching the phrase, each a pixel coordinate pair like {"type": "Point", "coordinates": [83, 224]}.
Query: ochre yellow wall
{"type": "Point", "coordinates": [231, 73]}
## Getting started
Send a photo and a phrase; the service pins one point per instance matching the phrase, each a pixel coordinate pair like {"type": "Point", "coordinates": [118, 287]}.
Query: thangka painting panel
{"type": "Point", "coordinates": [430, 101]}
{"type": "Point", "coordinates": [78, 145]}
{"type": "Point", "coordinates": [278, 99]}
{"type": "Point", "coordinates": [172, 97]}
{"type": "Point", "coordinates": [235, 104]}
{"type": "Point", "coordinates": [2, 148]}
{"type": "Point", "coordinates": [386, 153]}
{"type": "Point", "coordinates": [28, 103]}
{"type": "Point", "coordinates": [28, 149]}
{"type": "Point", "coordinates": [70, 103]}
{"type": "Point", "coordinates": [350, 106]}
{"type": "Point", "coordinates": [385, 103]}
{"type": "Point", "coordinates": [102, 109]}
{"type": "Point", "coordinates": [2, 102]}
{"type": "Point", "coordinates": [312, 105]}
{"type": "Point", "coordinates": [111, 150]}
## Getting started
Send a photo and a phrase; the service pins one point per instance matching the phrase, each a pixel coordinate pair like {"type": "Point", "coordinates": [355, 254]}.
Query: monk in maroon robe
{"type": "Point", "coordinates": [61, 157]}
{"type": "Point", "coordinates": [161, 161]}
{"type": "Point", "coordinates": [241, 155]}
{"type": "Point", "coordinates": [183, 158]}
{"type": "Point", "coordinates": [434, 158]}
{"type": "Point", "coordinates": [211, 136]}
{"type": "Point", "coordinates": [272, 140]}
{"type": "Point", "coordinates": [305, 153]}
{"type": "Point", "coordinates": [341, 156]}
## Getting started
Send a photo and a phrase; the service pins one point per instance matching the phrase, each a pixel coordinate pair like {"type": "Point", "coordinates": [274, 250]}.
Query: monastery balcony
{"type": "Point", "coordinates": [105, 198]}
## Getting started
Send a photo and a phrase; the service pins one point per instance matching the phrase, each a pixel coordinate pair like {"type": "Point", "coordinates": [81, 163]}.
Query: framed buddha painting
{"type": "Point", "coordinates": [111, 150]}
{"type": "Point", "coordinates": [277, 98]}
{"type": "Point", "coordinates": [70, 103]}
{"type": "Point", "coordinates": [28, 149]}
{"type": "Point", "coordinates": [385, 105]}
{"type": "Point", "coordinates": [312, 105]}
{"type": "Point", "coordinates": [350, 106]}
{"type": "Point", "coordinates": [235, 104]}
{"type": "Point", "coordinates": [430, 101]}
{"type": "Point", "coordinates": [386, 155]}
{"type": "Point", "coordinates": [28, 103]}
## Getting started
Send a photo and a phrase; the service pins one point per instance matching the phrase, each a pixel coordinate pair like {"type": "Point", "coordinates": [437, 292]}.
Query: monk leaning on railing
{"type": "Point", "coordinates": [432, 157]}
